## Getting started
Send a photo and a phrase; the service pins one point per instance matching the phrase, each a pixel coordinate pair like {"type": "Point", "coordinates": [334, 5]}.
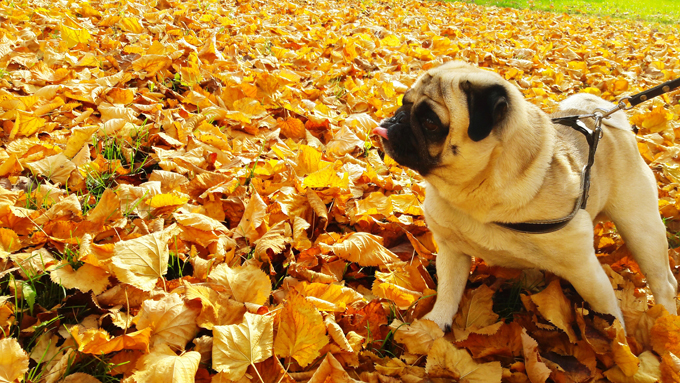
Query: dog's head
{"type": "Point", "coordinates": [451, 121]}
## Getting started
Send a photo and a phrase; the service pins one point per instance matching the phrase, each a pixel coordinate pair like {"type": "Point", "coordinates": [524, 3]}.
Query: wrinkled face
{"type": "Point", "coordinates": [450, 121]}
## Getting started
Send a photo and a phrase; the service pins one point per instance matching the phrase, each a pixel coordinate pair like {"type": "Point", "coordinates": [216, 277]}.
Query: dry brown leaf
{"type": "Point", "coordinates": [670, 368]}
{"type": "Point", "coordinates": [218, 309]}
{"type": "Point", "coordinates": [80, 377]}
{"type": "Point", "coordinates": [162, 364]}
{"type": "Point", "coordinates": [328, 297]}
{"type": "Point", "coordinates": [331, 371]}
{"type": "Point", "coordinates": [649, 371]}
{"type": "Point", "coordinates": [446, 361]}
{"type": "Point", "coordinates": [172, 320]}
{"type": "Point", "coordinates": [363, 248]}
{"type": "Point", "coordinates": [537, 371]}
{"type": "Point", "coordinates": [475, 312]}
{"type": "Point", "coordinates": [555, 307]}
{"type": "Point", "coordinates": [418, 336]}
{"type": "Point", "coordinates": [665, 335]}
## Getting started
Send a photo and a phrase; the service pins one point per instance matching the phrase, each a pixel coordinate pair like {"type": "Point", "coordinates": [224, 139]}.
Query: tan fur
{"type": "Point", "coordinates": [529, 169]}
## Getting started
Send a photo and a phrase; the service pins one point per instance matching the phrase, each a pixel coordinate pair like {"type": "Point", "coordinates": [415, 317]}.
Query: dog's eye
{"type": "Point", "coordinates": [430, 125]}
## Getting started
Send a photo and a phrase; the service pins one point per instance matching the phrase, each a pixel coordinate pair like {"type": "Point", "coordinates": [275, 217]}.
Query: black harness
{"type": "Point", "coordinates": [593, 137]}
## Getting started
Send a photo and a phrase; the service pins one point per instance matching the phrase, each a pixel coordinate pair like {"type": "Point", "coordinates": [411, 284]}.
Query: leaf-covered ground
{"type": "Point", "coordinates": [189, 190]}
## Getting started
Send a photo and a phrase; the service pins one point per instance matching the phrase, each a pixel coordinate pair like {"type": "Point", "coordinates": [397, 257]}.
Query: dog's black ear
{"type": "Point", "coordinates": [487, 107]}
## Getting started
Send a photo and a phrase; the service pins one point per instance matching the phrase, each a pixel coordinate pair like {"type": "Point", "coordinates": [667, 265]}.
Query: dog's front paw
{"type": "Point", "coordinates": [442, 320]}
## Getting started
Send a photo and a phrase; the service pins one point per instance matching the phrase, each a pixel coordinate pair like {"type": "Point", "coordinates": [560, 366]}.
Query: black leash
{"type": "Point", "coordinates": [593, 138]}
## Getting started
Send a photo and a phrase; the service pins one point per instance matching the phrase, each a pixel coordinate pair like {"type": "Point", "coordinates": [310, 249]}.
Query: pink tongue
{"type": "Point", "coordinates": [382, 132]}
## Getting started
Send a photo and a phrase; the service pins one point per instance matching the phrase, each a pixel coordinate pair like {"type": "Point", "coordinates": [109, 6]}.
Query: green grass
{"type": "Point", "coordinates": [661, 11]}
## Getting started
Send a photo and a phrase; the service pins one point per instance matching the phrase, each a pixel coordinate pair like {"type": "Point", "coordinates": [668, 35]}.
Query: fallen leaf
{"type": "Point", "coordinates": [162, 364]}
{"type": "Point", "coordinates": [141, 261]}
{"type": "Point", "coordinates": [235, 347]}
{"type": "Point", "coordinates": [13, 360]}
{"type": "Point", "coordinates": [172, 320]}
{"type": "Point", "coordinates": [537, 371]}
{"type": "Point", "coordinates": [301, 333]}
{"type": "Point", "coordinates": [555, 307]}
{"type": "Point", "coordinates": [446, 361]}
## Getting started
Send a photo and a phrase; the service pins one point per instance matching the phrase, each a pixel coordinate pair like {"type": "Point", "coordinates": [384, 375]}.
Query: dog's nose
{"type": "Point", "coordinates": [399, 117]}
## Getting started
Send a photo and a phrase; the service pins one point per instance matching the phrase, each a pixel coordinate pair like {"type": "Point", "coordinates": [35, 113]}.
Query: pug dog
{"type": "Point", "coordinates": [489, 158]}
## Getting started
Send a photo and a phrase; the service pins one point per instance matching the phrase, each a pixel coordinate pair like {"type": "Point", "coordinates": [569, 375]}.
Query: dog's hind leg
{"type": "Point", "coordinates": [453, 270]}
{"type": "Point", "coordinates": [645, 235]}
{"type": "Point", "coordinates": [579, 265]}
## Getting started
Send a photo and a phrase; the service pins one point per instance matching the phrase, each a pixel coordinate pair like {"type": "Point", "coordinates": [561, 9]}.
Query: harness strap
{"type": "Point", "coordinates": [593, 138]}
{"type": "Point", "coordinates": [552, 225]}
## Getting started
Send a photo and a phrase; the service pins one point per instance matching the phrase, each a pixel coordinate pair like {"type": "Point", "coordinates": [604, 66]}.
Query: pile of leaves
{"type": "Point", "coordinates": [189, 190]}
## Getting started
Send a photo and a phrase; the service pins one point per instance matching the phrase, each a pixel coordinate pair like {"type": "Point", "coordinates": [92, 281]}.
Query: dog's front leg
{"type": "Point", "coordinates": [453, 269]}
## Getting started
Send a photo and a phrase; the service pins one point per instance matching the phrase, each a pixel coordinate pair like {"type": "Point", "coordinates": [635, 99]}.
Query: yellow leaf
{"type": "Point", "coordinates": [9, 242]}
{"type": "Point", "coordinates": [167, 199]}
{"type": "Point", "coordinates": [10, 166]}
{"type": "Point", "coordinates": [217, 308]}
{"type": "Point", "coordinates": [476, 310]}
{"type": "Point", "coordinates": [406, 204]}
{"type": "Point", "coordinates": [235, 347]}
{"type": "Point", "coordinates": [252, 218]}
{"type": "Point", "coordinates": [164, 365]}
{"type": "Point", "coordinates": [68, 207]}
{"type": "Point", "coordinates": [201, 222]}
{"type": "Point", "coordinates": [331, 371]}
{"type": "Point", "coordinates": [274, 240]}
{"type": "Point", "coordinates": [656, 120]}
{"type": "Point", "coordinates": [130, 24]}
{"type": "Point", "coordinates": [57, 168]}
{"type": "Point", "coordinates": [141, 261]}
{"type": "Point", "coordinates": [308, 160]}
{"type": "Point", "coordinates": [363, 248]}
{"type": "Point", "coordinates": [446, 361]}
{"type": "Point", "coordinates": [13, 360]}
{"type": "Point", "coordinates": [327, 178]}
{"type": "Point", "coordinates": [98, 341]}
{"type": "Point", "coordinates": [26, 124]}
{"type": "Point", "coordinates": [555, 307]}
{"type": "Point", "coordinates": [291, 127]}
{"type": "Point", "coordinates": [79, 137]}
{"type": "Point", "coordinates": [665, 335]}
{"type": "Point", "coordinates": [250, 108]}
{"type": "Point", "coordinates": [301, 333]}
{"type": "Point", "coordinates": [418, 336]}
{"type": "Point", "coordinates": [344, 142]}
{"type": "Point", "coordinates": [73, 37]}
{"type": "Point", "coordinates": [173, 322]}
{"type": "Point", "coordinates": [402, 298]}
{"type": "Point", "coordinates": [649, 371]}
{"type": "Point", "coordinates": [375, 203]}
{"type": "Point", "coordinates": [86, 278]}
{"type": "Point", "coordinates": [391, 41]}
{"type": "Point", "coordinates": [246, 283]}
{"type": "Point", "coordinates": [579, 65]}
{"type": "Point", "coordinates": [325, 295]}
{"type": "Point", "coordinates": [108, 208]}
{"type": "Point", "coordinates": [151, 64]}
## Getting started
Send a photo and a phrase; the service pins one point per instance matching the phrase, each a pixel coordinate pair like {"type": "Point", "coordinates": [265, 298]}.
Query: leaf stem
{"type": "Point", "coordinates": [257, 372]}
